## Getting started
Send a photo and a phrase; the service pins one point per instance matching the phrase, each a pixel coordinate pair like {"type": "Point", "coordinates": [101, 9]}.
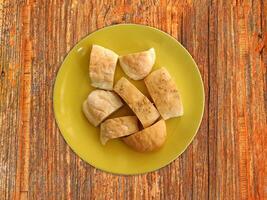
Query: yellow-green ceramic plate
{"type": "Point", "coordinates": [73, 85]}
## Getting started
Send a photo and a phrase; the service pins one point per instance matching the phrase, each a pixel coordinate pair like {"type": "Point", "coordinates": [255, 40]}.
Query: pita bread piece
{"type": "Point", "coordinates": [139, 103]}
{"type": "Point", "coordinates": [138, 65]}
{"type": "Point", "coordinates": [99, 105]}
{"type": "Point", "coordinates": [149, 139]}
{"type": "Point", "coordinates": [160, 84]}
{"type": "Point", "coordinates": [102, 67]}
{"type": "Point", "coordinates": [118, 127]}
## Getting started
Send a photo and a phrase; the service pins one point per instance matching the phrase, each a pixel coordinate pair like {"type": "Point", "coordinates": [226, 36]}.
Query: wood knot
{"type": "Point", "coordinates": [3, 74]}
{"type": "Point", "coordinates": [114, 22]}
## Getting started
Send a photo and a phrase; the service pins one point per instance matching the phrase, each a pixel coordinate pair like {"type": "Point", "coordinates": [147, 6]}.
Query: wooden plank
{"type": "Point", "coordinates": [226, 180]}
{"type": "Point", "coordinates": [212, 98]}
{"type": "Point", "coordinates": [195, 33]}
{"type": "Point", "coordinates": [10, 70]}
{"type": "Point", "coordinates": [236, 103]}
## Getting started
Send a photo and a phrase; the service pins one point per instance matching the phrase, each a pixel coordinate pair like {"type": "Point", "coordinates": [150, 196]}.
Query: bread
{"type": "Point", "coordinates": [139, 103]}
{"type": "Point", "coordinates": [99, 105]}
{"type": "Point", "coordinates": [138, 65]}
{"type": "Point", "coordinates": [149, 139]}
{"type": "Point", "coordinates": [102, 67]}
{"type": "Point", "coordinates": [118, 127]}
{"type": "Point", "coordinates": [160, 84]}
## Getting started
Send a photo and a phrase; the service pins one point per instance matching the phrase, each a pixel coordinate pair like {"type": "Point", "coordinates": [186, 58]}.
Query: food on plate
{"type": "Point", "coordinates": [118, 127]}
{"type": "Point", "coordinates": [100, 104]}
{"type": "Point", "coordinates": [164, 93]}
{"type": "Point", "coordinates": [139, 103]}
{"type": "Point", "coordinates": [149, 139]}
{"type": "Point", "coordinates": [138, 65]}
{"type": "Point", "coordinates": [102, 67]}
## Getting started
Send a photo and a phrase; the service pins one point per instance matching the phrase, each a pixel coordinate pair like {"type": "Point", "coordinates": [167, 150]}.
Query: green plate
{"type": "Point", "coordinates": [72, 87]}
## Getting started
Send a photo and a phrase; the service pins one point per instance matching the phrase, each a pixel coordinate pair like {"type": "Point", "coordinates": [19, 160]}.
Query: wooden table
{"type": "Point", "coordinates": [227, 159]}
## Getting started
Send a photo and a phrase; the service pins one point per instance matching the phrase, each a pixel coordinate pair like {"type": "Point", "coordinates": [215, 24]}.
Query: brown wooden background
{"type": "Point", "coordinates": [225, 161]}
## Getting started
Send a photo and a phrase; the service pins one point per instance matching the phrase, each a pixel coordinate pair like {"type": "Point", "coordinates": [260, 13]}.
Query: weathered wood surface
{"type": "Point", "coordinates": [227, 159]}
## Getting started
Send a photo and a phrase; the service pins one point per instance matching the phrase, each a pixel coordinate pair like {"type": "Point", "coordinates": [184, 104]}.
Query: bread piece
{"type": "Point", "coordinates": [139, 103]}
{"type": "Point", "coordinates": [149, 139]}
{"type": "Point", "coordinates": [118, 127]}
{"type": "Point", "coordinates": [138, 65]}
{"type": "Point", "coordinates": [159, 85]}
{"type": "Point", "coordinates": [99, 105]}
{"type": "Point", "coordinates": [102, 67]}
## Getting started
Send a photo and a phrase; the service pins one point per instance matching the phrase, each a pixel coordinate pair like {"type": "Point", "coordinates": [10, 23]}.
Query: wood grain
{"type": "Point", "coordinates": [228, 40]}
